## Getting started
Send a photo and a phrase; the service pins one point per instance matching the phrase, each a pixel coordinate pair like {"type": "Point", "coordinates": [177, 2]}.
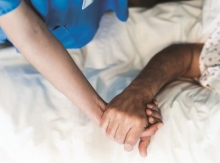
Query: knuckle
{"type": "Point", "coordinates": [155, 108]}
{"type": "Point", "coordinates": [119, 113]}
{"type": "Point", "coordinates": [110, 134]}
{"type": "Point", "coordinates": [159, 116]}
{"type": "Point", "coordinates": [140, 121]}
{"type": "Point", "coordinates": [153, 113]}
{"type": "Point", "coordinates": [152, 119]}
{"type": "Point", "coordinates": [121, 116]}
{"type": "Point", "coordinates": [111, 108]}
{"type": "Point", "coordinates": [119, 139]}
{"type": "Point", "coordinates": [156, 120]}
{"type": "Point", "coordinates": [130, 141]}
{"type": "Point", "coordinates": [112, 111]}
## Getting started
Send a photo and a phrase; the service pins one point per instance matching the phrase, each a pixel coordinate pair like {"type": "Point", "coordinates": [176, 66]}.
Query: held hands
{"type": "Point", "coordinates": [154, 120]}
{"type": "Point", "coordinates": [125, 120]}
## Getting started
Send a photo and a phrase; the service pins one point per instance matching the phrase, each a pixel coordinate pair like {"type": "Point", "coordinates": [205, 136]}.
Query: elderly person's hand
{"type": "Point", "coordinates": [125, 118]}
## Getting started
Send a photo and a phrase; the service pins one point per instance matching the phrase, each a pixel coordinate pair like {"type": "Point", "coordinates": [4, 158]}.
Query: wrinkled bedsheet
{"type": "Point", "coordinates": [39, 125]}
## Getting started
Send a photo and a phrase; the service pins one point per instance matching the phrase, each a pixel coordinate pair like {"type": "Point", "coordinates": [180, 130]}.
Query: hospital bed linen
{"type": "Point", "coordinates": [38, 124]}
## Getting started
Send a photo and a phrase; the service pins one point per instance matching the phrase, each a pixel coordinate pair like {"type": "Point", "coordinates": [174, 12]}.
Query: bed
{"type": "Point", "coordinates": [39, 125]}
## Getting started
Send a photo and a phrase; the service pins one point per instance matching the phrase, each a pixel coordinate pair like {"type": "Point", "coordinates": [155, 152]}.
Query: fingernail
{"type": "Point", "coordinates": [143, 154]}
{"type": "Point", "coordinates": [151, 119]}
{"type": "Point", "coordinates": [128, 147]}
{"type": "Point", "coordinates": [149, 106]}
{"type": "Point", "coordinates": [160, 125]}
{"type": "Point", "coordinates": [149, 112]}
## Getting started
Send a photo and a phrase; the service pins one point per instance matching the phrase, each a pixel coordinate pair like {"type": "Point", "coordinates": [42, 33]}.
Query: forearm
{"type": "Point", "coordinates": [31, 36]}
{"type": "Point", "coordinates": [167, 65]}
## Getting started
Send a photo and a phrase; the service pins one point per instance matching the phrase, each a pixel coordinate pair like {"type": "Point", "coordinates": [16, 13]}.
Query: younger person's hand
{"type": "Point", "coordinates": [154, 121]}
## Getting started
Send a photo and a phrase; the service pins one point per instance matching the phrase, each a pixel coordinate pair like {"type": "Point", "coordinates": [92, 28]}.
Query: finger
{"type": "Point", "coordinates": [155, 102]}
{"type": "Point", "coordinates": [104, 108]}
{"type": "Point", "coordinates": [104, 123]}
{"type": "Point", "coordinates": [152, 107]}
{"type": "Point", "coordinates": [111, 129]}
{"type": "Point", "coordinates": [153, 120]}
{"type": "Point", "coordinates": [143, 144]}
{"type": "Point", "coordinates": [121, 133]}
{"type": "Point", "coordinates": [153, 114]}
{"type": "Point", "coordinates": [152, 129]}
{"type": "Point", "coordinates": [132, 137]}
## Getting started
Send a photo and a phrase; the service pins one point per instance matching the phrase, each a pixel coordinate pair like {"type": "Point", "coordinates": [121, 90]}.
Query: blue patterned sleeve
{"type": "Point", "coordinates": [8, 5]}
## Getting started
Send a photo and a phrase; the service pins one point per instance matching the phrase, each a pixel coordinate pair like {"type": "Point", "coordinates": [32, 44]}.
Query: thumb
{"type": "Point", "coordinates": [152, 129]}
{"type": "Point", "coordinates": [143, 144]}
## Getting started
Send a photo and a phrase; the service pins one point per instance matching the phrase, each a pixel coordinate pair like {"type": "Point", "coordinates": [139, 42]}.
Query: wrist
{"type": "Point", "coordinates": [90, 103]}
{"type": "Point", "coordinates": [144, 92]}
{"type": "Point", "coordinates": [95, 110]}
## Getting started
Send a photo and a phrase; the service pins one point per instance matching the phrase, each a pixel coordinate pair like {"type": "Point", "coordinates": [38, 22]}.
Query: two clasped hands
{"type": "Point", "coordinates": [131, 116]}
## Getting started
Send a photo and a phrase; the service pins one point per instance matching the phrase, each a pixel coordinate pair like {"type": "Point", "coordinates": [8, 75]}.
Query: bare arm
{"type": "Point", "coordinates": [31, 36]}
{"type": "Point", "coordinates": [181, 60]}
{"type": "Point", "coordinates": [125, 119]}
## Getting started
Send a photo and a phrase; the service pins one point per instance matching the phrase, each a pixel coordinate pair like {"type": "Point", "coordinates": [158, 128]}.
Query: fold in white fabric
{"type": "Point", "coordinates": [38, 124]}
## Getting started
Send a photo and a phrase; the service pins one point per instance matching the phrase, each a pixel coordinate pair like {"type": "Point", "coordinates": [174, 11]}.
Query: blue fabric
{"type": "Point", "coordinates": [8, 5]}
{"type": "Point", "coordinates": [73, 26]}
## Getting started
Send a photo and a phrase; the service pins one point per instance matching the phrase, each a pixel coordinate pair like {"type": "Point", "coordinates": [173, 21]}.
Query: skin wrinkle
{"type": "Point", "coordinates": [118, 139]}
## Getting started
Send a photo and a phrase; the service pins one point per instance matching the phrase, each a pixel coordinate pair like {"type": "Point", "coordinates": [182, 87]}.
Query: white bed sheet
{"type": "Point", "coordinates": [38, 124]}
